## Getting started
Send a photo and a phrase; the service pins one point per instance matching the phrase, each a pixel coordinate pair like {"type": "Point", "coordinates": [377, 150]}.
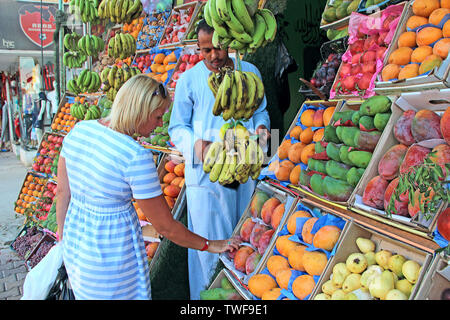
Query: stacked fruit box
{"type": "Point", "coordinates": [258, 226]}
{"type": "Point", "coordinates": [225, 287]}
{"type": "Point", "coordinates": [337, 13]}
{"type": "Point", "coordinates": [171, 175]}
{"type": "Point", "coordinates": [152, 30]}
{"type": "Point", "coordinates": [189, 57]}
{"type": "Point", "coordinates": [32, 189]}
{"type": "Point", "coordinates": [40, 250]}
{"type": "Point", "coordinates": [48, 150]}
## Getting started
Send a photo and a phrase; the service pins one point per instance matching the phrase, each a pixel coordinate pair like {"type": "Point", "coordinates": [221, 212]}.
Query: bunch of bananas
{"type": "Point", "coordinates": [86, 10]}
{"type": "Point", "coordinates": [85, 111]}
{"type": "Point", "coordinates": [86, 81]}
{"type": "Point", "coordinates": [114, 77]}
{"type": "Point", "coordinates": [236, 158]}
{"type": "Point", "coordinates": [238, 93]}
{"type": "Point", "coordinates": [122, 46]}
{"type": "Point", "coordinates": [239, 24]}
{"type": "Point", "coordinates": [71, 41]}
{"type": "Point", "coordinates": [91, 45]}
{"type": "Point", "coordinates": [120, 11]}
{"type": "Point", "coordinates": [74, 59]}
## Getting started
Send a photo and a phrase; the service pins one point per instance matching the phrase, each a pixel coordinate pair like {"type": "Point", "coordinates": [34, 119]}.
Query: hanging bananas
{"type": "Point", "coordinates": [239, 24]}
{"type": "Point", "coordinates": [122, 46]}
{"type": "Point", "coordinates": [91, 45]}
{"type": "Point", "coordinates": [85, 111]}
{"type": "Point", "coordinates": [74, 59]}
{"type": "Point", "coordinates": [86, 81]}
{"type": "Point", "coordinates": [236, 158]}
{"type": "Point", "coordinates": [120, 11]}
{"type": "Point", "coordinates": [71, 41]}
{"type": "Point", "coordinates": [238, 93]}
{"type": "Point", "coordinates": [114, 77]}
{"type": "Point", "coordinates": [86, 10]}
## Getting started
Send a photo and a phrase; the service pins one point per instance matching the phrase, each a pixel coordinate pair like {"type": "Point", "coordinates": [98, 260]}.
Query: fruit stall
{"type": "Point", "coordinates": [353, 202]}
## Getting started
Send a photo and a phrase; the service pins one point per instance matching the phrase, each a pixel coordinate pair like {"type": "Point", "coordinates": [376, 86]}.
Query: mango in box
{"type": "Point", "coordinates": [316, 182]}
{"type": "Point", "coordinates": [348, 135]}
{"type": "Point", "coordinates": [336, 190]}
{"type": "Point", "coordinates": [343, 155]}
{"type": "Point", "coordinates": [330, 134]}
{"type": "Point", "coordinates": [374, 105]}
{"type": "Point", "coordinates": [333, 151]}
{"type": "Point", "coordinates": [380, 120]}
{"type": "Point", "coordinates": [337, 170]}
{"type": "Point", "coordinates": [360, 158]}
{"type": "Point", "coordinates": [354, 175]}
{"type": "Point", "coordinates": [366, 140]}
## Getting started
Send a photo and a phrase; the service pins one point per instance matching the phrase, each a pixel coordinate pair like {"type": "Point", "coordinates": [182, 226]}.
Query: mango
{"type": "Point", "coordinates": [317, 165]}
{"type": "Point", "coordinates": [330, 135]}
{"type": "Point", "coordinates": [305, 178]}
{"type": "Point", "coordinates": [211, 294]}
{"type": "Point", "coordinates": [316, 182]}
{"type": "Point", "coordinates": [380, 120]}
{"type": "Point", "coordinates": [348, 135]}
{"type": "Point", "coordinates": [430, 62]}
{"type": "Point", "coordinates": [257, 203]}
{"type": "Point", "coordinates": [333, 151]}
{"type": "Point", "coordinates": [373, 195]}
{"type": "Point", "coordinates": [426, 125]}
{"type": "Point", "coordinates": [320, 147]}
{"type": "Point", "coordinates": [336, 190]}
{"type": "Point", "coordinates": [374, 105]}
{"type": "Point", "coordinates": [341, 11]}
{"type": "Point", "coordinates": [414, 156]}
{"type": "Point", "coordinates": [445, 125]}
{"type": "Point", "coordinates": [366, 141]}
{"type": "Point", "coordinates": [400, 205]}
{"type": "Point", "coordinates": [353, 6]}
{"type": "Point", "coordinates": [329, 15]}
{"type": "Point", "coordinates": [354, 175]}
{"type": "Point", "coordinates": [389, 165]}
{"type": "Point", "coordinates": [360, 159]}
{"type": "Point", "coordinates": [366, 123]}
{"type": "Point", "coordinates": [355, 118]}
{"type": "Point", "coordinates": [337, 170]}
{"type": "Point", "coordinates": [230, 294]}
{"type": "Point", "coordinates": [343, 154]}
{"type": "Point", "coordinates": [342, 117]}
{"type": "Point", "coordinates": [402, 128]}
{"type": "Point", "coordinates": [339, 133]}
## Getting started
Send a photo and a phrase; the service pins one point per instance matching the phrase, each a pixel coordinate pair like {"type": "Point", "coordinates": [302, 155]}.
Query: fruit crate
{"type": "Point", "coordinates": [339, 23]}
{"type": "Point", "coordinates": [152, 30]}
{"type": "Point", "coordinates": [40, 250]}
{"type": "Point", "coordinates": [348, 246]}
{"type": "Point", "coordinates": [48, 150]}
{"type": "Point", "coordinates": [407, 101]}
{"type": "Point", "coordinates": [436, 280]}
{"type": "Point", "coordinates": [294, 233]}
{"type": "Point", "coordinates": [176, 11]}
{"type": "Point", "coordinates": [27, 197]}
{"type": "Point", "coordinates": [434, 79]}
{"type": "Point", "coordinates": [34, 232]}
{"type": "Point", "coordinates": [63, 121]}
{"type": "Point", "coordinates": [376, 7]}
{"type": "Point", "coordinates": [188, 58]}
{"type": "Point", "coordinates": [192, 27]}
{"type": "Point", "coordinates": [241, 292]}
{"type": "Point", "coordinates": [45, 202]}
{"type": "Point", "coordinates": [247, 224]}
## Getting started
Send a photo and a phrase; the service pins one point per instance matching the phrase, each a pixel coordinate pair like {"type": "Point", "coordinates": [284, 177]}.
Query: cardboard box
{"type": "Point", "coordinates": [224, 273]}
{"type": "Point", "coordinates": [414, 101]}
{"type": "Point", "coordinates": [315, 212]}
{"type": "Point", "coordinates": [436, 279]}
{"type": "Point", "coordinates": [338, 24]}
{"type": "Point", "coordinates": [436, 77]}
{"type": "Point", "coordinates": [348, 246]}
{"type": "Point", "coordinates": [28, 205]}
{"type": "Point", "coordinates": [46, 238]}
{"type": "Point", "coordinates": [285, 197]}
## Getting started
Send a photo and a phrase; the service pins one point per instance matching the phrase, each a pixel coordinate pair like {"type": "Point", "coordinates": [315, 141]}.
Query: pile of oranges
{"type": "Point", "coordinates": [64, 121]}
{"type": "Point", "coordinates": [134, 27]}
{"type": "Point", "coordinates": [32, 189]}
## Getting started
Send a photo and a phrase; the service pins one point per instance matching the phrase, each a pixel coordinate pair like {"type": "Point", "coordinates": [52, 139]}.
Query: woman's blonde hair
{"type": "Point", "coordinates": [133, 104]}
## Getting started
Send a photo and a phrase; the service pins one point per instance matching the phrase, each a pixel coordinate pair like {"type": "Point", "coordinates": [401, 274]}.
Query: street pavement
{"type": "Point", "coordinates": [12, 266]}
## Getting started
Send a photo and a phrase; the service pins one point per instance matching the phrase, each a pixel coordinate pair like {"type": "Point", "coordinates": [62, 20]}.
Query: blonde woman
{"type": "Point", "coordinates": [100, 169]}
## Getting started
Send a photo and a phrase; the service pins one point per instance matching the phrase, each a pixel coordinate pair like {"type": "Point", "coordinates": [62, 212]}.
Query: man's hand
{"type": "Point", "coordinates": [263, 134]}
{"type": "Point", "coordinates": [201, 148]}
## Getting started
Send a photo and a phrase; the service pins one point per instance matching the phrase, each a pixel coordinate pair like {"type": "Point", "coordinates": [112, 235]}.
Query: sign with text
{"type": "Point", "coordinates": [38, 29]}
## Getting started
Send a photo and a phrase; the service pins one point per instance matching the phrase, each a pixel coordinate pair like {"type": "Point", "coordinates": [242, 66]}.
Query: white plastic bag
{"type": "Point", "coordinates": [40, 279]}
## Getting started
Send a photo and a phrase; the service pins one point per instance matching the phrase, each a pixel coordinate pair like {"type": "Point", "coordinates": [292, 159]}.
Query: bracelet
{"type": "Point", "coordinates": [206, 246]}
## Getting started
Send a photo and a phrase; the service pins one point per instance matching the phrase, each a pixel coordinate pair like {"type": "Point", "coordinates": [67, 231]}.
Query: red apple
{"type": "Point", "coordinates": [36, 166]}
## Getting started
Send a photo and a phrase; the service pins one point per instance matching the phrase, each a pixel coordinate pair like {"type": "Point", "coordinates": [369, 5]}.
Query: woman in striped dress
{"type": "Point", "coordinates": [101, 168]}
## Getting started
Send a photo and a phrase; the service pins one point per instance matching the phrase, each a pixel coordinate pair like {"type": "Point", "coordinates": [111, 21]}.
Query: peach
{"type": "Point", "coordinates": [170, 166]}
{"type": "Point", "coordinates": [172, 191]}
{"type": "Point", "coordinates": [246, 229]}
{"type": "Point", "coordinates": [268, 209]}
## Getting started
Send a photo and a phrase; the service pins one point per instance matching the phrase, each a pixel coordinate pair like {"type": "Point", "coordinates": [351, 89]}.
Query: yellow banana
{"type": "Point", "coordinates": [218, 166]}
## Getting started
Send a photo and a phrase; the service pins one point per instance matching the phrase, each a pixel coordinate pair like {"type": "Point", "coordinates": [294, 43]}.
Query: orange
{"type": "Point", "coordinates": [308, 152]}
{"type": "Point", "coordinates": [428, 35]}
{"type": "Point", "coordinates": [307, 118]}
{"type": "Point", "coordinates": [437, 15]}
{"type": "Point", "coordinates": [420, 53]}
{"type": "Point", "coordinates": [30, 178]}
{"type": "Point", "coordinates": [307, 136]}
{"type": "Point", "coordinates": [424, 8]}
{"type": "Point", "coordinates": [407, 39]}
{"type": "Point", "coordinates": [318, 135]}
{"type": "Point", "coordinates": [445, 4]}
{"type": "Point", "coordinates": [327, 115]}
{"type": "Point", "coordinates": [416, 21]}
{"type": "Point", "coordinates": [303, 286]}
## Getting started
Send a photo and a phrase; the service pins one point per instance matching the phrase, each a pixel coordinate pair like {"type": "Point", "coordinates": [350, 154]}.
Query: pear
{"type": "Point", "coordinates": [382, 258]}
{"type": "Point", "coordinates": [322, 296]}
{"type": "Point", "coordinates": [411, 270]}
{"type": "Point", "coordinates": [359, 294]}
{"type": "Point", "coordinates": [370, 257]}
{"type": "Point", "coordinates": [381, 285]}
{"type": "Point", "coordinates": [338, 295]}
{"type": "Point", "coordinates": [395, 264]}
{"type": "Point", "coordinates": [352, 282]}
{"type": "Point", "coordinates": [368, 275]}
{"type": "Point", "coordinates": [365, 245]}
{"type": "Point", "coordinates": [395, 294]}
{"type": "Point", "coordinates": [340, 272]}
{"type": "Point", "coordinates": [356, 263]}
{"type": "Point", "coordinates": [329, 287]}
{"type": "Point", "coordinates": [404, 286]}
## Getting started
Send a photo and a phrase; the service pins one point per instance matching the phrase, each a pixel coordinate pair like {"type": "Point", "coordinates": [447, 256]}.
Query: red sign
{"type": "Point", "coordinates": [30, 22]}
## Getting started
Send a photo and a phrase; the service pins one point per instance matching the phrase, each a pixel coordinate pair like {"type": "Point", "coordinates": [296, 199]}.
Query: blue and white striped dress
{"type": "Point", "coordinates": [104, 250]}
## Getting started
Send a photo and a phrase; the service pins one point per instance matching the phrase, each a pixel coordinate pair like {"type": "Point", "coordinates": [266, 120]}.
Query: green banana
{"type": "Point", "coordinates": [233, 23]}
{"type": "Point", "coordinates": [224, 176]}
{"type": "Point", "coordinates": [80, 78]}
{"type": "Point", "coordinates": [236, 45]}
{"type": "Point", "coordinates": [118, 8]}
{"type": "Point", "coordinates": [112, 74]}
{"type": "Point", "coordinates": [221, 30]}
{"type": "Point", "coordinates": [259, 89]}
{"type": "Point", "coordinates": [218, 166]}
{"type": "Point", "coordinates": [214, 15]}
{"type": "Point", "coordinates": [250, 84]}
{"type": "Point", "coordinates": [271, 24]}
{"type": "Point", "coordinates": [217, 108]}
{"type": "Point", "coordinates": [101, 10]}
{"type": "Point", "coordinates": [229, 112]}
{"type": "Point", "coordinates": [243, 16]}
{"type": "Point", "coordinates": [228, 89]}
{"type": "Point", "coordinates": [126, 4]}
{"type": "Point", "coordinates": [207, 14]}
{"type": "Point", "coordinates": [87, 79]}
{"type": "Point", "coordinates": [212, 83]}
{"type": "Point", "coordinates": [241, 88]}
{"type": "Point", "coordinates": [222, 10]}
{"type": "Point", "coordinates": [241, 37]}
{"type": "Point", "coordinates": [260, 31]}
{"type": "Point", "coordinates": [134, 8]}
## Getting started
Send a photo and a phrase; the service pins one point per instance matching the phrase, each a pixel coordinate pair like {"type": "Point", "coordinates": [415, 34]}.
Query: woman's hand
{"type": "Point", "coordinates": [219, 246]}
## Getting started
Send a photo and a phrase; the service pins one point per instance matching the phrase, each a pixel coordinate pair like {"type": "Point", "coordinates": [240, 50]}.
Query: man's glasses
{"type": "Point", "coordinates": [160, 92]}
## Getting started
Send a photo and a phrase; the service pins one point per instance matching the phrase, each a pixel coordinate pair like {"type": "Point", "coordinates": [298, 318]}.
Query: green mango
{"type": "Point", "coordinates": [329, 134]}
{"type": "Point", "coordinates": [341, 11]}
{"type": "Point", "coordinates": [336, 190]}
{"type": "Point", "coordinates": [374, 105]}
{"type": "Point", "coordinates": [211, 294]}
{"type": "Point", "coordinates": [366, 123]}
{"type": "Point", "coordinates": [381, 119]}
{"type": "Point", "coordinates": [337, 170]}
{"type": "Point", "coordinates": [333, 151]}
{"type": "Point", "coordinates": [225, 283]}
{"type": "Point", "coordinates": [353, 6]}
{"type": "Point", "coordinates": [343, 154]}
{"type": "Point", "coordinates": [354, 175]}
{"type": "Point", "coordinates": [316, 182]}
{"type": "Point", "coordinates": [343, 116]}
{"type": "Point", "coordinates": [348, 135]}
{"type": "Point", "coordinates": [304, 178]}
{"type": "Point", "coordinates": [331, 34]}
{"type": "Point", "coordinates": [335, 3]}
{"type": "Point", "coordinates": [318, 147]}
{"type": "Point", "coordinates": [369, 3]}
{"type": "Point", "coordinates": [317, 165]}
{"type": "Point", "coordinates": [360, 159]}
{"type": "Point", "coordinates": [355, 118]}
{"type": "Point", "coordinates": [155, 139]}
{"type": "Point", "coordinates": [366, 140]}
{"type": "Point", "coordinates": [339, 132]}
{"type": "Point", "coordinates": [329, 15]}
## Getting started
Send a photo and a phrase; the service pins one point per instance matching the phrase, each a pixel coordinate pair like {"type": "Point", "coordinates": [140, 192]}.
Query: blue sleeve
{"type": "Point", "coordinates": [181, 130]}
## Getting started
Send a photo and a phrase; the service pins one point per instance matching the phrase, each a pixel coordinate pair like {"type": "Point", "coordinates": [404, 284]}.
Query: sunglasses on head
{"type": "Point", "coordinates": [161, 91]}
